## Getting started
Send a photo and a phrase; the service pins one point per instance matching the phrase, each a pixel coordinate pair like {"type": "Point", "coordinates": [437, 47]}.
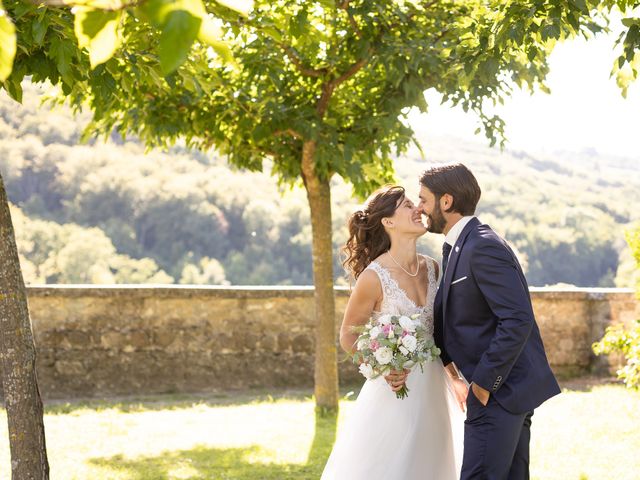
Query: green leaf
{"type": "Point", "coordinates": [7, 44]}
{"type": "Point", "coordinates": [630, 21]}
{"type": "Point", "coordinates": [178, 34]}
{"type": "Point", "coordinates": [211, 34]}
{"type": "Point", "coordinates": [159, 11]}
{"type": "Point", "coordinates": [181, 22]}
{"type": "Point", "coordinates": [581, 5]}
{"type": "Point", "coordinates": [62, 51]}
{"type": "Point", "coordinates": [241, 6]}
{"type": "Point", "coordinates": [549, 31]}
{"type": "Point", "coordinates": [99, 32]}
{"type": "Point", "coordinates": [272, 32]}
{"type": "Point", "coordinates": [39, 29]}
{"type": "Point", "coordinates": [14, 89]}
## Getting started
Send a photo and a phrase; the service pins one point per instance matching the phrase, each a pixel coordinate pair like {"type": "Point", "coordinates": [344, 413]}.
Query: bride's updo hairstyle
{"type": "Point", "coordinates": [367, 236]}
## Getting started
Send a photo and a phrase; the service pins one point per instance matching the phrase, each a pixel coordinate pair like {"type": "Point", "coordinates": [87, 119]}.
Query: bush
{"type": "Point", "coordinates": [618, 339]}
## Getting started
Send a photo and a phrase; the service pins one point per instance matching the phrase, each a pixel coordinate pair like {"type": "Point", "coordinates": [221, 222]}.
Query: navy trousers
{"type": "Point", "coordinates": [496, 442]}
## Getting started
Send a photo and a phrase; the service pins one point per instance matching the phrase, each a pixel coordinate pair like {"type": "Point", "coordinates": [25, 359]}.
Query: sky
{"type": "Point", "coordinates": [584, 111]}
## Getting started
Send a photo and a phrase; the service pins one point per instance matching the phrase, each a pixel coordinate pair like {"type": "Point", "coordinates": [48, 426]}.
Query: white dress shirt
{"type": "Point", "coordinates": [452, 237]}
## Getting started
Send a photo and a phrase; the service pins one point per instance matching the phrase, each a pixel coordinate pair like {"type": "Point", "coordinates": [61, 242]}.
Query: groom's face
{"type": "Point", "coordinates": [430, 206]}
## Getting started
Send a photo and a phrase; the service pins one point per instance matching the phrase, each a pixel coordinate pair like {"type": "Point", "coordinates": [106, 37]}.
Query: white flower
{"type": "Point", "coordinates": [404, 350]}
{"type": "Point", "coordinates": [384, 319]}
{"type": "Point", "coordinates": [362, 344]}
{"type": "Point", "coordinates": [410, 342]}
{"type": "Point", "coordinates": [374, 332]}
{"type": "Point", "coordinates": [408, 324]}
{"type": "Point", "coordinates": [366, 370]}
{"type": "Point", "coordinates": [383, 355]}
{"type": "Point", "coordinates": [390, 334]}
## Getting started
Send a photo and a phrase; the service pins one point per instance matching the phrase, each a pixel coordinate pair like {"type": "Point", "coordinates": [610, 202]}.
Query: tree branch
{"type": "Point", "coordinates": [288, 131]}
{"type": "Point", "coordinates": [355, 68]}
{"type": "Point", "coordinates": [295, 59]}
{"type": "Point", "coordinates": [84, 3]}
{"type": "Point", "coordinates": [345, 6]}
{"type": "Point", "coordinates": [328, 88]}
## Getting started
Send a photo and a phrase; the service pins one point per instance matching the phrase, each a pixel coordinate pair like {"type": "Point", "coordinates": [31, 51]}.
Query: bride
{"type": "Point", "coordinates": [421, 436]}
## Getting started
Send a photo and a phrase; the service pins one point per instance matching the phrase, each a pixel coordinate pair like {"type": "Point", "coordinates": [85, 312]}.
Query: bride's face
{"type": "Point", "coordinates": [407, 218]}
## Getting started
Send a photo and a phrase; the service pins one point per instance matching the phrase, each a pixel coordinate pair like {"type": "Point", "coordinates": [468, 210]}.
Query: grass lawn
{"type": "Point", "coordinates": [589, 432]}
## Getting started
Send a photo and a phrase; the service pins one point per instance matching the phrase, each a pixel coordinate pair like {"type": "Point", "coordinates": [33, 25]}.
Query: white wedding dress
{"type": "Point", "coordinates": [419, 437]}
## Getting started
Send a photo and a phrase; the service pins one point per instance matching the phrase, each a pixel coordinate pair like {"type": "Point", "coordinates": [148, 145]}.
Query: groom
{"type": "Point", "coordinates": [484, 324]}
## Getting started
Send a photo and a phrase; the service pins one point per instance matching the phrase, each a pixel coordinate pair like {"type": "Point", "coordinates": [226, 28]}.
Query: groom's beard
{"type": "Point", "coordinates": [436, 221]}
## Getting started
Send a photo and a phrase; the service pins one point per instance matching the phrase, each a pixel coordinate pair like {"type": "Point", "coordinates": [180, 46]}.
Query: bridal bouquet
{"type": "Point", "coordinates": [393, 342]}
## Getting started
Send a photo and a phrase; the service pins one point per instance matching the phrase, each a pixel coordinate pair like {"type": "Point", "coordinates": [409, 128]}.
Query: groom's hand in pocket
{"type": "Point", "coordinates": [481, 394]}
{"type": "Point", "coordinates": [396, 379]}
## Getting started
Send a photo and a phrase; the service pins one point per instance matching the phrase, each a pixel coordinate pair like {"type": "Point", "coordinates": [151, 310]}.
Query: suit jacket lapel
{"type": "Point", "coordinates": [453, 261]}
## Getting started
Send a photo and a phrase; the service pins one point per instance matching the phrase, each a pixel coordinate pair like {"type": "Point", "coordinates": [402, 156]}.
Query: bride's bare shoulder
{"type": "Point", "coordinates": [368, 283]}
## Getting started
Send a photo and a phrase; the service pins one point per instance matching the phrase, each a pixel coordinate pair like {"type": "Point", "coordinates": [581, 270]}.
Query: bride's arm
{"type": "Point", "coordinates": [459, 384]}
{"type": "Point", "coordinates": [364, 297]}
{"type": "Point", "coordinates": [453, 371]}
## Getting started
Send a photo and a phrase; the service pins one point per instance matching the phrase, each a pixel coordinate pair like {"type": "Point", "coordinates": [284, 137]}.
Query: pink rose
{"type": "Point", "coordinates": [387, 328]}
{"type": "Point", "coordinates": [374, 345]}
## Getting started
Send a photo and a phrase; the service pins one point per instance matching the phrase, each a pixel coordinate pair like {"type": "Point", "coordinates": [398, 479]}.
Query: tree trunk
{"type": "Point", "coordinates": [326, 365]}
{"type": "Point", "coordinates": [18, 356]}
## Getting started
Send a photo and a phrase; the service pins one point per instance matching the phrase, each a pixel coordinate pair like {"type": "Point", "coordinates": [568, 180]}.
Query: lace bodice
{"type": "Point", "coordinates": [395, 300]}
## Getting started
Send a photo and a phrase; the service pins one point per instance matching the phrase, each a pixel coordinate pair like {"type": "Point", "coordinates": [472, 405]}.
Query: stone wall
{"type": "Point", "coordinates": [114, 340]}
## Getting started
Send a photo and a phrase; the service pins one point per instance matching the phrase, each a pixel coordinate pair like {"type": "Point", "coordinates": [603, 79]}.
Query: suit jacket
{"type": "Point", "coordinates": [484, 322]}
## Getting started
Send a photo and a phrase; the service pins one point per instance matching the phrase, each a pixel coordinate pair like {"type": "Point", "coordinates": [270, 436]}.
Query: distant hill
{"type": "Point", "coordinates": [102, 213]}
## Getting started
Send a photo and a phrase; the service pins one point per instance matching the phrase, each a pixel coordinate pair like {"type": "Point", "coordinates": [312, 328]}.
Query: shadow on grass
{"type": "Point", "coordinates": [170, 401]}
{"type": "Point", "coordinates": [587, 383]}
{"type": "Point", "coordinates": [208, 463]}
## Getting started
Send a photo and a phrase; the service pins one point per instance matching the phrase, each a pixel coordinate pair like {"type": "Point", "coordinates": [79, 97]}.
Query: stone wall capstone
{"type": "Point", "coordinates": [143, 339]}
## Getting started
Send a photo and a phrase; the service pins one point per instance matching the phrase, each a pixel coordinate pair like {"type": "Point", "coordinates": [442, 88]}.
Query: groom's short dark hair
{"type": "Point", "coordinates": [456, 180]}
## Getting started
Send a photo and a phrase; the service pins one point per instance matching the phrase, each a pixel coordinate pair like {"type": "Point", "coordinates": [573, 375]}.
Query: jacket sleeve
{"type": "Point", "coordinates": [495, 271]}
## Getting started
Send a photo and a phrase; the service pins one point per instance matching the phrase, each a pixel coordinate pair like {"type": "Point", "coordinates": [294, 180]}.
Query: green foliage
{"type": "Point", "coordinates": [627, 65]}
{"type": "Point", "coordinates": [205, 212]}
{"type": "Point", "coordinates": [209, 271]}
{"type": "Point", "coordinates": [53, 253]}
{"type": "Point", "coordinates": [99, 32]}
{"type": "Point", "coordinates": [340, 74]}
{"type": "Point", "coordinates": [625, 340]}
{"type": "Point", "coordinates": [7, 44]}
{"type": "Point", "coordinates": [100, 28]}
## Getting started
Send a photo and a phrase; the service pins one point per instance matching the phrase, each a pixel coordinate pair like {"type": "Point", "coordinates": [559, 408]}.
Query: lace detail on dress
{"type": "Point", "coordinates": [395, 300]}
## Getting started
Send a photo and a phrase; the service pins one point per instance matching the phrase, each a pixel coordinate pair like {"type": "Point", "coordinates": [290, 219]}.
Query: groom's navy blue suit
{"type": "Point", "coordinates": [484, 323]}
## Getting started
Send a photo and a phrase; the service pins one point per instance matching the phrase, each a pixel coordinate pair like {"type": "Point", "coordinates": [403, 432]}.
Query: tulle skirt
{"type": "Point", "coordinates": [385, 438]}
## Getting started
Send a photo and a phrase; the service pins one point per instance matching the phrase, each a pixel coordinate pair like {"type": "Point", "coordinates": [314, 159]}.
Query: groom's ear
{"type": "Point", "coordinates": [446, 202]}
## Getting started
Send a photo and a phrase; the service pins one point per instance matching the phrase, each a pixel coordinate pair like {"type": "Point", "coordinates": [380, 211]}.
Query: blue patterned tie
{"type": "Point", "coordinates": [446, 250]}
